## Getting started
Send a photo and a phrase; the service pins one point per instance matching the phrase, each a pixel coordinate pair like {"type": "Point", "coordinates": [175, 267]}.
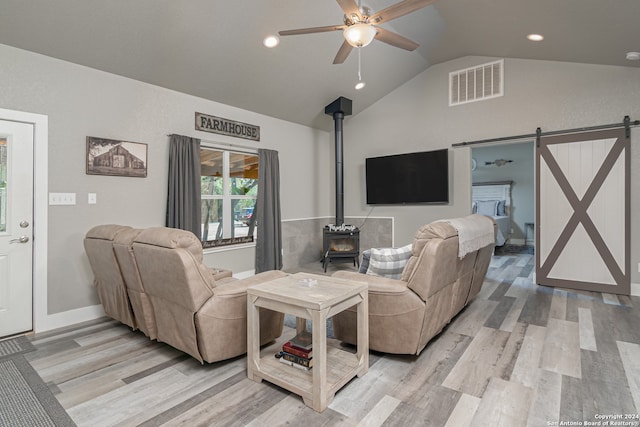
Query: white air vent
{"type": "Point", "coordinates": [476, 83]}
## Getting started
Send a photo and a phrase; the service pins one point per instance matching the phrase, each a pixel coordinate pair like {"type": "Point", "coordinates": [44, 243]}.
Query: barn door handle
{"type": "Point", "coordinates": [22, 239]}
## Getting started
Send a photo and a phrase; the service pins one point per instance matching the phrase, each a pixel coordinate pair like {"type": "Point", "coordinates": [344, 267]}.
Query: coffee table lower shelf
{"type": "Point", "coordinates": [342, 366]}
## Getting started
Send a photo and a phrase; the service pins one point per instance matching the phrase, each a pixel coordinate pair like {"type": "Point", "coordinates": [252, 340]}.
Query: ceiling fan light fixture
{"type": "Point", "coordinates": [271, 41]}
{"type": "Point", "coordinates": [359, 35]}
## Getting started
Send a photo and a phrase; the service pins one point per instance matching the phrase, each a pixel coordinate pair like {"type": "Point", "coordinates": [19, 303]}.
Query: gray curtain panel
{"type": "Point", "coordinates": [183, 201]}
{"type": "Point", "coordinates": [269, 242]}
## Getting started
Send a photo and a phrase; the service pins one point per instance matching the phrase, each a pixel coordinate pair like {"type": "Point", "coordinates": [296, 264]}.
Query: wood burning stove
{"type": "Point", "coordinates": [340, 243]}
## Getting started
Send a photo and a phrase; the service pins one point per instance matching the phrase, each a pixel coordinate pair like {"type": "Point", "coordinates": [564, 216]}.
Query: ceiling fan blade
{"type": "Point", "coordinates": [343, 52]}
{"type": "Point", "coordinates": [399, 9]}
{"type": "Point", "coordinates": [312, 30]}
{"type": "Point", "coordinates": [350, 7]}
{"type": "Point", "coordinates": [395, 39]}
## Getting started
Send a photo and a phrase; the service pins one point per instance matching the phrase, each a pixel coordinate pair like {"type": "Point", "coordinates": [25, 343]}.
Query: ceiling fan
{"type": "Point", "coordinates": [361, 27]}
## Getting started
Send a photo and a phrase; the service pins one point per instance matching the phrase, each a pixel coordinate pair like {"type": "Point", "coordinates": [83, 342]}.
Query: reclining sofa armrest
{"type": "Point", "coordinates": [382, 285]}
{"type": "Point", "coordinates": [220, 273]}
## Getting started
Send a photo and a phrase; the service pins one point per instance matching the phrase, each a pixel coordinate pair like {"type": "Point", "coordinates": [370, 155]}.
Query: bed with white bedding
{"type": "Point", "coordinates": [494, 199]}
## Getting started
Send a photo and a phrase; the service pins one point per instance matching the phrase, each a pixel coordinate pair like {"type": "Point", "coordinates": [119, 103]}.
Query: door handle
{"type": "Point", "coordinates": [22, 239]}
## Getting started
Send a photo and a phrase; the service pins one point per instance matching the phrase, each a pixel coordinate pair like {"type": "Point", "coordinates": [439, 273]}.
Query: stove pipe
{"type": "Point", "coordinates": [338, 109]}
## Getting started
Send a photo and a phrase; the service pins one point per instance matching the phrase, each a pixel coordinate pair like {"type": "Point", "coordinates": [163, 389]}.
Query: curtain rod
{"type": "Point", "coordinates": [246, 147]}
{"type": "Point", "coordinates": [626, 124]}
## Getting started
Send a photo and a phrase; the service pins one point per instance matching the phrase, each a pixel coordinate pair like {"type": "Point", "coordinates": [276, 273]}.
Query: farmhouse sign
{"type": "Point", "coordinates": [222, 126]}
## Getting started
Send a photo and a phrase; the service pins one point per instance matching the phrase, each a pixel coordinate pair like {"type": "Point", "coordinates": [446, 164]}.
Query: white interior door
{"type": "Point", "coordinates": [16, 227]}
{"type": "Point", "coordinates": [583, 211]}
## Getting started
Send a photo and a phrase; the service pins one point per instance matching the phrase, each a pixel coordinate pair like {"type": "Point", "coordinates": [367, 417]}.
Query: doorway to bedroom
{"type": "Point", "coordinates": [503, 186]}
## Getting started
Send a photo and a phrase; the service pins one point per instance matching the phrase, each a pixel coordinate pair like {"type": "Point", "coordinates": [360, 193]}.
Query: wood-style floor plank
{"type": "Point", "coordinates": [440, 356]}
{"type": "Point", "coordinates": [545, 404]}
{"type": "Point", "coordinates": [380, 413]}
{"type": "Point", "coordinates": [571, 400]}
{"type": "Point", "coordinates": [558, 309]}
{"type": "Point", "coordinates": [536, 309]}
{"type": "Point", "coordinates": [229, 408]}
{"type": "Point", "coordinates": [360, 396]}
{"type": "Point", "coordinates": [470, 321]}
{"type": "Point", "coordinates": [291, 411]}
{"type": "Point", "coordinates": [477, 365]}
{"type": "Point", "coordinates": [610, 299]}
{"type": "Point", "coordinates": [605, 390]}
{"type": "Point", "coordinates": [462, 415]}
{"type": "Point", "coordinates": [561, 350]}
{"type": "Point", "coordinates": [521, 288]}
{"type": "Point", "coordinates": [512, 316]}
{"type": "Point", "coordinates": [587, 334]}
{"type": "Point", "coordinates": [500, 312]}
{"type": "Point", "coordinates": [526, 370]}
{"type": "Point", "coordinates": [504, 404]}
{"type": "Point", "coordinates": [630, 355]}
{"type": "Point", "coordinates": [432, 407]}
{"type": "Point", "coordinates": [519, 354]}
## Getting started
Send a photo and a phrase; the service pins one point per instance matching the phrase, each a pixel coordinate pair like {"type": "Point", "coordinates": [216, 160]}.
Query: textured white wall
{"type": "Point", "coordinates": [546, 94]}
{"type": "Point", "coordinates": [82, 102]}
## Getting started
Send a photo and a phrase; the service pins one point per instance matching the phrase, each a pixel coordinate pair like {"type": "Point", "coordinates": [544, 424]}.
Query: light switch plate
{"type": "Point", "coordinates": [92, 198]}
{"type": "Point", "coordinates": [62, 198]}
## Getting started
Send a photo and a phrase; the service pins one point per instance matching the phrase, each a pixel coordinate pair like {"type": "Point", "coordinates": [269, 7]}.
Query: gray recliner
{"type": "Point", "coordinates": [108, 279]}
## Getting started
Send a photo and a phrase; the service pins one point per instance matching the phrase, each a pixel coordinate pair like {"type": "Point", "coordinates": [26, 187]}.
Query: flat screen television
{"type": "Point", "coordinates": [410, 178]}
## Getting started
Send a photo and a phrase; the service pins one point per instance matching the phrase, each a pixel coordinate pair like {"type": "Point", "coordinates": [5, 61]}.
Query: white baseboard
{"type": "Point", "coordinates": [84, 314]}
{"type": "Point", "coordinates": [66, 318]}
{"type": "Point", "coordinates": [635, 289]}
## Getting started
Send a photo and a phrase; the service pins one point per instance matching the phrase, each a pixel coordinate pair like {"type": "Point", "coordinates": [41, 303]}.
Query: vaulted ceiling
{"type": "Point", "coordinates": [213, 49]}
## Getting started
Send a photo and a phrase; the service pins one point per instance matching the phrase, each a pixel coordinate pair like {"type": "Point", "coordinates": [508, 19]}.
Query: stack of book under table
{"type": "Point", "coordinates": [297, 352]}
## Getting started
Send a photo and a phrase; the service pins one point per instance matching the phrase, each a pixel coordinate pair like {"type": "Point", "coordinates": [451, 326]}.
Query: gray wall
{"type": "Point", "coordinates": [546, 94]}
{"type": "Point", "coordinates": [81, 102]}
{"type": "Point", "coordinates": [520, 171]}
{"type": "Point", "coordinates": [302, 238]}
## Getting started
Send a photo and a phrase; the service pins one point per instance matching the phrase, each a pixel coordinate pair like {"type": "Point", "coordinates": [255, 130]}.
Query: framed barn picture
{"type": "Point", "coordinates": [116, 158]}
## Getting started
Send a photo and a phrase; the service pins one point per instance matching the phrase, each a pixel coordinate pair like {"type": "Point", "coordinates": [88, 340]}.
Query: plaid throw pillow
{"type": "Point", "coordinates": [388, 262]}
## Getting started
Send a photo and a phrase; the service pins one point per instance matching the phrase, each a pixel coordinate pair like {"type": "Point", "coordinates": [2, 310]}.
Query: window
{"type": "Point", "coordinates": [229, 187]}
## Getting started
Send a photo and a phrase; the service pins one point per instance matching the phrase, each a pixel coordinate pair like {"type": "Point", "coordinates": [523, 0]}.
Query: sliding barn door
{"type": "Point", "coordinates": [582, 211]}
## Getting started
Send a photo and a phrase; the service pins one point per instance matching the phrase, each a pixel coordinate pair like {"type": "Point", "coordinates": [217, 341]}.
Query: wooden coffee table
{"type": "Point", "coordinates": [332, 367]}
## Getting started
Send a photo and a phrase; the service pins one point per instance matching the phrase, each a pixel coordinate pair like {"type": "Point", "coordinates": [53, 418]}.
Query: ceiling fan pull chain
{"type": "Point", "coordinates": [360, 84]}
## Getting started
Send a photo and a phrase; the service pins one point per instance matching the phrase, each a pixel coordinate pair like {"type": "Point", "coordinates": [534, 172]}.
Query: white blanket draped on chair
{"type": "Point", "coordinates": [474, 232]}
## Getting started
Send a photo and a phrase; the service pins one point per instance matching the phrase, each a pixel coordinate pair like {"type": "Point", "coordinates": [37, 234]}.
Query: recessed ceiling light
{"type": "Point", "coordinates": [535, 37]}
{"type": "Point", "coordinates": [271, 41]}
{"type": "Point", "coordinates": [633, 56]}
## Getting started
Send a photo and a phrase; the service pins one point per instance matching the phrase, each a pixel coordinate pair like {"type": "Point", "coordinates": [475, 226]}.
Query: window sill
{"type": "Point", "coordinates": [228, 248]}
